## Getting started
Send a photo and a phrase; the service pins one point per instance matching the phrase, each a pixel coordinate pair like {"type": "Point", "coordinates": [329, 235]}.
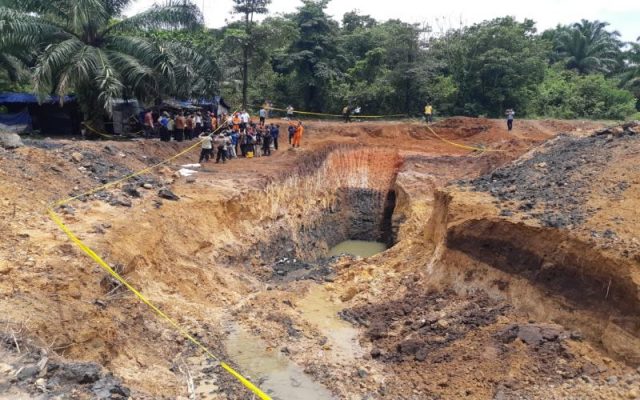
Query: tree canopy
{"type": "Point", "coordinates": [314, 62]}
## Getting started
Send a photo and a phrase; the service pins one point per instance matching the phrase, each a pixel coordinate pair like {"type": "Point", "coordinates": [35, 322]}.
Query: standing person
{"type": "Point", "coordinates": [428, 113]}
{"type": "Point", "coordinates": [275, 132]}
{"type": "Point", "coordinates": [237, 121]}
{"type": "Point", "coordinates": [163, 123]}
{"type": "Point", "coordinates": [297, 138]}
{"type": "Point", "coordinates": [171, 127]}
{"type": "Point", "coordinates": [233, 148]}
{"type": "Point", "coordinates": [181, 124]}
{"type": "Point", "coordinates": [292, 131]}
{"type": "Point", "coordinates": [510, 114]}
{"type": "Point", "coordinates": [290, 111]}
{"type": "Point", "coordinates": [198, 124]}
{"type": "Point", "coordinates": [207, 147]}
{"type": "Point", "coordinates": [267, 139]}
{"type": "Point", "coordinates": [346, 113]}
{"type": "Point", "coordinates": [221, 144]}
{"type": "Point", "coordinates": [191, 123]}
{"type": "Point", "coordinates": [244, 120]}
{"type": "Point", "coordinates": [263, 116]}
{"type": "Point", "coordinates": [206, 122]}
{"type": "Point", "coordinates": [257, 142]}
{"type": "Point", "coordinates": [148, 124]}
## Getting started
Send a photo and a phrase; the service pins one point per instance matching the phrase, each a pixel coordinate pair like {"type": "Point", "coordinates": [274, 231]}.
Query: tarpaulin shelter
{"type": "Point", "coordinates": [48, 116]}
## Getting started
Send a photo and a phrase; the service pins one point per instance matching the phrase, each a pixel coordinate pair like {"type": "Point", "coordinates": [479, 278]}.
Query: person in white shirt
{"type": "Point", "coordinates": [290, 112]}
{"type": "Point", "coordinates": [244, 120]}
{"type": "Point", "coordinates": [207, 147]}
{"type": "Point", "coordinates": [198, 121]}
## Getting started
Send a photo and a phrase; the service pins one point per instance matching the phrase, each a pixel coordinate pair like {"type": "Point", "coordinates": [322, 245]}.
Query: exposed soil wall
{"type": "Point", "coordinates": [544, 271]}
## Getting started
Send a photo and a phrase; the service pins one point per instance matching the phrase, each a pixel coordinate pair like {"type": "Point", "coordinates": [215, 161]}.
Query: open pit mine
{"type": "Point", "coordinates": [376, 261]}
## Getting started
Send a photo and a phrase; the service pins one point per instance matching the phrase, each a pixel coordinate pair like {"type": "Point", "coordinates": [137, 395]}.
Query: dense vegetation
{"type": "Point", "coordinates": [316, 63]}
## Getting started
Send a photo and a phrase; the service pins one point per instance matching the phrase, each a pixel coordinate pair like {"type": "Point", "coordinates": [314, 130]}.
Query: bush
{"type": "Point", "coordinates": [565, 94]}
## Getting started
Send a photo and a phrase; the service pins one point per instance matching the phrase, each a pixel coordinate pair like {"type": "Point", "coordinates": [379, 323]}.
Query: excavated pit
{"type": "Point", "coordinates": [235, 256]}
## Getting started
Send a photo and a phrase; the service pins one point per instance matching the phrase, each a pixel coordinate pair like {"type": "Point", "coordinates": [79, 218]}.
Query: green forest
{"type": "Point", "coordinates": [314, 62]}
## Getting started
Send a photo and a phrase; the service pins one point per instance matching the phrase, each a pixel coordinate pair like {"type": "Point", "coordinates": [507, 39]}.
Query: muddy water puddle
{"type": "Point", "coordinates": [318, 309]}
{"type": "Point", "coordinates": [272, 371]}
{"type": "Point", "coordinates": [360, 248]}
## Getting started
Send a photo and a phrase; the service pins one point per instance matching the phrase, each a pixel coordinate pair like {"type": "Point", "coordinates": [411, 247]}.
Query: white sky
{"type": "Point", "coordinates": [623, 15]}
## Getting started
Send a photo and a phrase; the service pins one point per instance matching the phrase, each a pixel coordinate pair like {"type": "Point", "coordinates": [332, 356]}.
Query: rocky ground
{"type": "Point", "coordinates": [240, 246]}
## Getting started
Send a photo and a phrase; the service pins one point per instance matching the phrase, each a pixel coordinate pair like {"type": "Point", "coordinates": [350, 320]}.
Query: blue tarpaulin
{"type": "Point", "coordinates": [29, 98]}
{"type": "Point", "coordinates": [21, 118]}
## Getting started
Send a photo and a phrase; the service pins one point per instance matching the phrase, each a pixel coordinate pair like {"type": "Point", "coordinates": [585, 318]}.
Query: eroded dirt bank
{"type": "Point", "coordinates": [473, 300]}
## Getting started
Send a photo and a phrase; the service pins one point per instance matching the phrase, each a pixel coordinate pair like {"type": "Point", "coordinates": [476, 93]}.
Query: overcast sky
{"type": "Point", "coordinates": [623, 15]}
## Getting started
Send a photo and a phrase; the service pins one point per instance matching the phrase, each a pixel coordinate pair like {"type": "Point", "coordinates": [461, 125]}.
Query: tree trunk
{"type": "Point", "coordinates": [245, 76]}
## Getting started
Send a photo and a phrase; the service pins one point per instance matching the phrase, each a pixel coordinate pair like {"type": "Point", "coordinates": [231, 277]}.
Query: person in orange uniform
{"type": "Point", "coordinates": [297, 137]}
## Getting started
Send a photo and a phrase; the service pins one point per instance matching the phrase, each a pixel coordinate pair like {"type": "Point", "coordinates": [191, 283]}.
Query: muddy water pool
{"type": "Point", "coordinates": [360, 248]}
{"type": "Point", "coordinates": [273, 372]}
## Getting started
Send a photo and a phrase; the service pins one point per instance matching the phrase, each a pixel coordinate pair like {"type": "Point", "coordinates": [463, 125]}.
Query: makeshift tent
{"type": "Point", "coordinates": [50, 116]}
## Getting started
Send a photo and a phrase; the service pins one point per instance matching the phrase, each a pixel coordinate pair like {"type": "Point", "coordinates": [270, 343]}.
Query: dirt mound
{"type": "Point", "coordinates": [555, 184]}
{"type": "Point", "coordinates": [463, 127]}
{"type": "Point", "coordinates": [414, 327]}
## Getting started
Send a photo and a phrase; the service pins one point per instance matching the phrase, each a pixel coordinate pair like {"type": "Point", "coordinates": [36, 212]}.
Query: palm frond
{"type": "Point", "coordinates": [173, 14]}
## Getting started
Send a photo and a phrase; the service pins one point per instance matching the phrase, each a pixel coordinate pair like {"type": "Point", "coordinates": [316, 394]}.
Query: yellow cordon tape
{"type": "Point", "coordinates": [336, 115]}
{"type": "Point", "coordinates": [104, 134]}
{"type": "Point", "coordinates": [463, 146]}
{"type": "Point", "coordinates": [58, 221]}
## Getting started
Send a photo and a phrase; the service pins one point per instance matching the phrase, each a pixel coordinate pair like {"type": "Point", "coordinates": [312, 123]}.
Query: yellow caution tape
{"type": "Point", "coordinates": [462, 145]}
{"type": "Point", "coordinates": [338, 115]}
{"type": "Point", "coordinates": [58, 221]}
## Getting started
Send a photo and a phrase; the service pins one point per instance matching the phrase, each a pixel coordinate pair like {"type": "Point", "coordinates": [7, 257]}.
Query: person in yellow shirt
{"type": "Point", "coordinates": [428, 113]}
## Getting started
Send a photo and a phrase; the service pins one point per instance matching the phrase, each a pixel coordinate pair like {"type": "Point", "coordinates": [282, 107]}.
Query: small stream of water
{"type": "Point", "coordinates": [270, 370]}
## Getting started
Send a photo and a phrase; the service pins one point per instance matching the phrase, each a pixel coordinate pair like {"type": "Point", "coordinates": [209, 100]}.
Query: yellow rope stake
{"type": "Point", "coordinates": [58, 221]}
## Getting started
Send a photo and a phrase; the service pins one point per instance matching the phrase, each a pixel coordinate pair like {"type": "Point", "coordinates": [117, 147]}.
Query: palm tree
{"type": "Point", "coordinates": [589, 47]}
{"type": "Point", "coordinates": [84, 48]}
{"type": "Point", "coordinates": [630, 78]}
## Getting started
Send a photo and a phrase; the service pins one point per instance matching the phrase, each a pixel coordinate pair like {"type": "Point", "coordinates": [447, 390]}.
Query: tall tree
{"type": "Point", "coordinates": [311, 60]}
{"type": "Point", "coordinates": [588, 47]}
{"type": "Point", "coordinates": [84, 48]}
{"type": "Point", "coordinates": [248, 8]}
{"type": "Point", "coordinates": [495, 64]}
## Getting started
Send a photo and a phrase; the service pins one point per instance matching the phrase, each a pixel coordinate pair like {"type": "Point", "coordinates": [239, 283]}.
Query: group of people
{"type": "Point", "coordinates": [239, 136]}
{"type": "Point", "coordinates": [181, 126]}
{"type": "Point", "coordinates": [348, 111]}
